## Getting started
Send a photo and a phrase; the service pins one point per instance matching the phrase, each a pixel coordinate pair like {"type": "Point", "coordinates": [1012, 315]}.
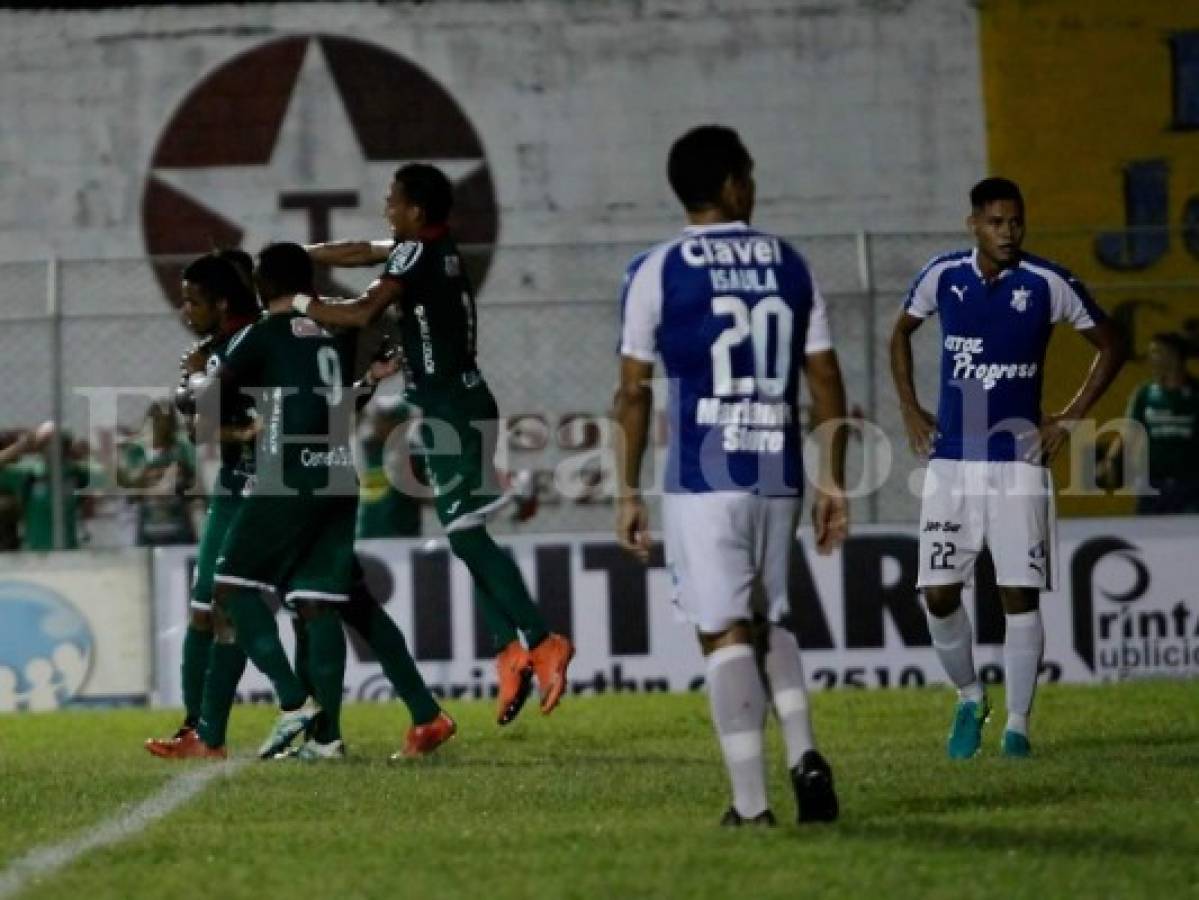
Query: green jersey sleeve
{"type": "Point", "coordinates": [246, 355]}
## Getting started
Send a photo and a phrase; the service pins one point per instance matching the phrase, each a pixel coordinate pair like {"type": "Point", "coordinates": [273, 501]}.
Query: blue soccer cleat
{"type": "Point", "coordinates": [966, 735]}
{"type": "Point", "coordinates": [1016, 745]}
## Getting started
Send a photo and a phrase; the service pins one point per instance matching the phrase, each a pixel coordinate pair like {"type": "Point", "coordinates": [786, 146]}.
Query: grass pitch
{"type": "Point", "coordinates": [618, 796]}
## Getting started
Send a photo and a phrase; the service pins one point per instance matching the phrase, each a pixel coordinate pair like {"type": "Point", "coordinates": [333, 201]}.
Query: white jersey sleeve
{"type": "Point", "coordinates": [921, 300]}
{"type": "Point", "coordinates": [1069, 302]}
{"type": "Point", "coordinates": [642, 308]}
{"type": "Point", "coordinates": [819, 337]}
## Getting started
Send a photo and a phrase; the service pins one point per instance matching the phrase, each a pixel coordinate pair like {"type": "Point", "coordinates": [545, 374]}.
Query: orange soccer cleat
{"type": "Point", "coordinates": [187, 746]}
{"type": "Point", "coordinates": [424, 739]}
{"type": "Point", "coordinates": [159, 746]}
{"type": "Point", "coordinates": [515, 670]}
{"type": "Point", "coordinates": [550, 659]}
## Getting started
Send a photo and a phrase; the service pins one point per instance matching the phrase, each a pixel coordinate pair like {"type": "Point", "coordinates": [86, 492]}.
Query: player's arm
{"type": "Point", "coordinates": [349, 254]}
{"type": "Point", "coordinates": [919, 423]}
{"type": "Point", "coordinates": [356, 313]}
{"type": "Point", "coordinates": [1127, 442]}
{"type": "Point", "coordinates": [631, 410]}
{"type": "Point", "coordinates": [1111, 354]}
{"type": "Point", "coordinates": [241, 367]}
{"type": "Point", "coordinates": [18, 448]}
{"type": "Point", "coordinates": [830, 508]}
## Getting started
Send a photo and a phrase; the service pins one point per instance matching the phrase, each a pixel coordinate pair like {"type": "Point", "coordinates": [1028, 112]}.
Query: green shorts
{"type": "Point", "coordinates": [458, 433]}
{"type": "Point", "coordinates": [221, 509]}
{"type": "Point", "coordinates": [300, 545]}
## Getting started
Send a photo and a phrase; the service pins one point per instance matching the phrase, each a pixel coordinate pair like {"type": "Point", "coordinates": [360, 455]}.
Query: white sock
{"type": "Point", "coordinates": [784, 676]}
{"type": "Point", "coordinates": [1023, 645]}
{"type": "Point", "coordinates": [738, 700]}
{"type": "Point", "coordinates": [953, 639]}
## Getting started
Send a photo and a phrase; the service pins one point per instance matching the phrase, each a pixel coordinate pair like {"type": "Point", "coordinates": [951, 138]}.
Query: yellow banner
{"type": "Point", "coordinates": [1093, 109]}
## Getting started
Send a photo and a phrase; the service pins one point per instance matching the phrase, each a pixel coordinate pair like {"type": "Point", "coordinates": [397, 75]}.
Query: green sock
{"type": "Point", "coordinates": [327, 667]}
{"type": "Point", "coordinates": [197, 645]}
{"type": "Point", "coordinates": [369, 619]}
{"type": "Point", "coordinates": [300, 663]}
{"type": "Point", "coordinates": [502, 631]}
{"type": "Point", "coordinates": [225, 669]}
{"type": "Point", "coordinates": [259, 638]}
{"type": "Point", "coordinates": [500, 581]}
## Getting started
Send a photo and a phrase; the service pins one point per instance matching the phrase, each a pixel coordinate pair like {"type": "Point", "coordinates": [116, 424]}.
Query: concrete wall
{"type": "Point", "coordinates": [129, 131]}
{"type": "Point", "coordinates": [861, 113]}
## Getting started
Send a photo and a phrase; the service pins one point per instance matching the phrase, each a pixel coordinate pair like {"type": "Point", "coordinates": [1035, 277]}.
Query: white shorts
{"type": "Point", "coordinates": [719, 546]}
{"type": "Point", "coordinates": [1006, 507]}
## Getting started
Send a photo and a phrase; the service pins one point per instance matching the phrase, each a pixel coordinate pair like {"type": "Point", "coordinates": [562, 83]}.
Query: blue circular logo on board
{"type": "Point", "coordinates": [46, 648]}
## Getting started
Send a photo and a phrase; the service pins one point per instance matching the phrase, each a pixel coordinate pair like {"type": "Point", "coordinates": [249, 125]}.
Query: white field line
{"type": "Point", "coordinates": [125, 824]}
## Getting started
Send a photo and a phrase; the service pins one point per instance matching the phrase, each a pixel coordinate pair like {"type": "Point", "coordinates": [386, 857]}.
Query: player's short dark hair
{"type": "Point", "coordinates": [1173, 341]}
{"type": "Point", "coordinates": [702, 160]}
{"type": "Point", "coordinates": [427, 187]}
{"type": "Point", "coordinates": [283, 268]}
{"type": "Point", "coordinates": [991, 189]}
{"type": "Point", "coordinates": [219, 279]}
{"type": "Point", "coordinates": [242, 261]}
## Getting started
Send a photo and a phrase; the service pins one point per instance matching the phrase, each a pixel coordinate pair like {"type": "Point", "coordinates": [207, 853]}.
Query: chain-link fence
{"type": "Point", "coordinates": [548, 323]}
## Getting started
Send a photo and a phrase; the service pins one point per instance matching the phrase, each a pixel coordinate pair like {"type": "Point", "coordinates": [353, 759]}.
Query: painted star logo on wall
{"type": "Point", "coordinates": [1020, 299]}
{"type": "Point", "coordinates": [297, 140]}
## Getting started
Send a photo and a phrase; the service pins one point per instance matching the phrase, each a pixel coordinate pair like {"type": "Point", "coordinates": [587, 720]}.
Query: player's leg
{"type": "Point", "coordinates": [708, 550]}
{"type": "Point", "coordinates": [1023, 647]}
{"type": "Point", "coordinates": [952, 525]}
{"type": "Point", "coordinates": [431, 726]}
{"type": "Point", "coordinates": [220, 686]}
{"type": "Point", "coordinates": [323, 651]}
{"type": "Point", "coordinates": [259, 551]}
{"type": "Point", "coordinates": [466, 493]}
{"type": "Point", "coordinates": [318, 586]}
{"type": "Point", "coordinates": [811, 775]}
{"type": "Point", "coordinates": [1023, 546]}
{"type": "Point", "coordinates": [198, 645]}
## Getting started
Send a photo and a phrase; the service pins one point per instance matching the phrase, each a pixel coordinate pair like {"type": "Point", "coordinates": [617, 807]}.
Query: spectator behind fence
{"type": "Point", "coordinates": [385, 509]}
{"type": "Point", "coordinates": [161, 468]}
{"type": "Point", "coordinates": [25, 477]}
{"type": "Point", "coordinates": [1166, 407]}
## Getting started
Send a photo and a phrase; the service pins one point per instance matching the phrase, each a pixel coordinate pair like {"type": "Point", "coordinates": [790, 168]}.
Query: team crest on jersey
{"type": "Point", "coordinates": [403, 257]}
{"type": "Point", "coordinates": [303, 327]}
{"type": "Point", "coordinates": [1020, 299]}
{"type": "Point", "coordinates": [453, 267]}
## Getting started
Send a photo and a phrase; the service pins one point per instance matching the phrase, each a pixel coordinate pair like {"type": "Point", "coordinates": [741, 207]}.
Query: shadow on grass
{"type": "Point", "coordinates": [1130, 741]}
{"type": "Point", "coordinates": [1024, 838]}
{"type": "Point", "coordinates": [1009, 796]}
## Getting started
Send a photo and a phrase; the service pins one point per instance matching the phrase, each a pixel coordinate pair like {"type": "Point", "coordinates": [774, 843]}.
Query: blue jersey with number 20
{"type": "Point", "coordinates": [732, 312]}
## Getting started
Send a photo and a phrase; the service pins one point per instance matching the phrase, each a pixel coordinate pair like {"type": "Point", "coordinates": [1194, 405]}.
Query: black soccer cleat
{"type": "Point", "coordinates": [734, 819]}
{"type": "Point", "coordinates": [814, 795]}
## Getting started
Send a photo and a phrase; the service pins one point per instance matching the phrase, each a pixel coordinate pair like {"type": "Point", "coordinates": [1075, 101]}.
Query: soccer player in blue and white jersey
{"type": "Point", "coordinates": [734, 315]}
{"type": "Point", "coordinates": [987, 484]}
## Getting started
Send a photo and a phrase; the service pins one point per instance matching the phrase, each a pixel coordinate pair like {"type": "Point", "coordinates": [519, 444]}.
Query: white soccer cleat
{"type": "Point", "coordinates": [289, 724]}
{"type": "Point", "coordinates": [311, 751]}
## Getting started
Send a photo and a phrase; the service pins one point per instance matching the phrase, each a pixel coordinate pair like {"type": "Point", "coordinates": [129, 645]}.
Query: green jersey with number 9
{"type": "Point", "coordinates": [300, 377]}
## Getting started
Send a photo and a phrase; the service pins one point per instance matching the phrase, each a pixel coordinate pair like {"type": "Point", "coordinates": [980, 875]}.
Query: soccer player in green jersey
{"type": "Point", "coordinates": [295, 531]}
{"type": "Point", "coordinates": [205, 287]}
{"type": "Point", "coordinates": [218, 305]}
{"type": "Point", "coordinates": [424, 282]}
{"type": "Point", "coordinates": [1166, 407]}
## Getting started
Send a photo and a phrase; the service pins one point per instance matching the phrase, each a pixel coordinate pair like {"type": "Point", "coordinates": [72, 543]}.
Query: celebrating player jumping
{"type": "Point", "coordinates": [424, 281]}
